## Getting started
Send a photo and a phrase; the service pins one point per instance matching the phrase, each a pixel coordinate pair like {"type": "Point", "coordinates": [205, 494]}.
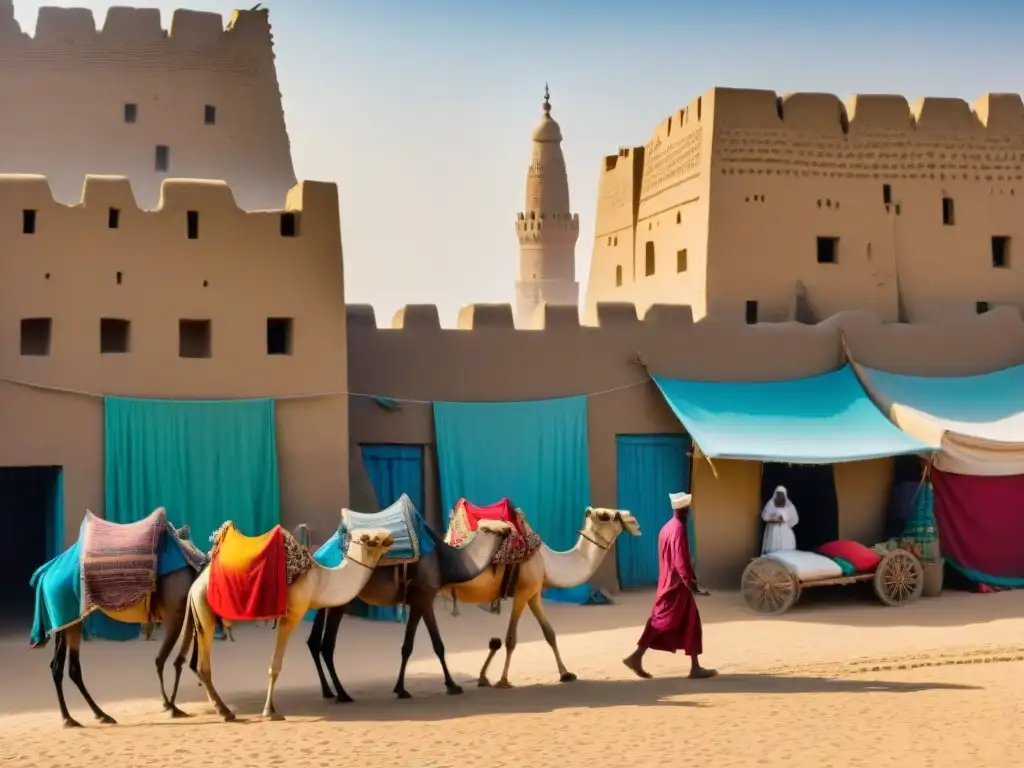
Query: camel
{"type": "Point", "coordinates": [168, 604]}
{"type": "Point", "coordinates": [417, 586]}
{"type": "Point", "coordinates": [319, 587]}
{"type": "Point", "coordinates": [545, 568]}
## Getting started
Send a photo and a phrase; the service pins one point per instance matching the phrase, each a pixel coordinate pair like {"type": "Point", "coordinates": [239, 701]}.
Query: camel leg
{"type": "Point", "coordinates": [415, 614]}
{"type": "Point", "coordinates": [172, 623]}
{"type": "Point", "coordinates": [537, 609]}
{"type": "Point", "coordinates": [188, 640]}
{"type": "Point", "coordinates": [285, 627]}
{"type": "Point", "coordinates": [315, 643]}
{"type": "Point", "coordinates": [518, 604]}
{"type": "Point", "coordinates": [60, 655]}
{"type": "Point", "coordinates": [430, 620]}
{"type": "Point", "coordinates": [330, 639]}
{"type": "Point", "coordinates": [205, 622]}
{"type": "Point", "coordinates": [74, 638]}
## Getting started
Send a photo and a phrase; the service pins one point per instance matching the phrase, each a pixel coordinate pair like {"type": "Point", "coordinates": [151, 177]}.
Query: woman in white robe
{"type": "Point", "coordinates": [780, 518]}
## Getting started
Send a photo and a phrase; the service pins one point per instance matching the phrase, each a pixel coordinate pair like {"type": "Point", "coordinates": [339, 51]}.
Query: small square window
{"type": "Point", "coordinates": [279, 335]}
{"type": "Point", "coordinates": [828, 250]}
{"type": "Point", "coordinates": [194, 338]}
{"type": "Point", "coordinates": [981, 307]}
{"type": "Point", "coordinates": [751, 313]}
{"type": "Point", "coordinates": [131, 113]}
{"type": "Point", "coordinates": [289, 225]}
{"type": "Point", "coordinates": [163, 158]}
{"type": "Point", "coordinates": [210, 114]}
{"type": "Point", "coordinates": [114, 336]}
{"type": "Point", "coordinates": [113, 218]}
{"type": "Point", "coordinates": [1001, 252]}
{"type": "Point", "coordinates": [192, 224]}
{"type": "Point", "coordinates": [35, 336]}
{"type": "Point", "coordinates": [28, 222]}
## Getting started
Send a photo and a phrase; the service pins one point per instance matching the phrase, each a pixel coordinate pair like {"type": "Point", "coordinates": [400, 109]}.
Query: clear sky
{"type": "Point", "coordinates": [421, 110]}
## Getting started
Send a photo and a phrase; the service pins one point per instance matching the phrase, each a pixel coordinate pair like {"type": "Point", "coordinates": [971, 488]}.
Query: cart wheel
{"type": "Point", "coordinates": [899, 578]}
{"type": "Point", "coordinates": [768, 587]}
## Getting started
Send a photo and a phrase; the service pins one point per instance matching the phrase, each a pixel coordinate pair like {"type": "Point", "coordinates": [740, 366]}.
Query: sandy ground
{"type": "Point", "coordinates": [837, 681]}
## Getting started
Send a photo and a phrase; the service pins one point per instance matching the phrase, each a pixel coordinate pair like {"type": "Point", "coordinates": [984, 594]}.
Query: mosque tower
{"type": "Point", "coordinates": [546, 229]}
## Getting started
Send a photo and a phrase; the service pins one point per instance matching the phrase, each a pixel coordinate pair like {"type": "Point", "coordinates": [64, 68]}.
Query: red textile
{"type": "Point", "coordinates": [249, 579]}
{"type": "Point", "coordinates": [981, 521]}
{"type": "Point", "coordinates": [863, 559]}
{"type": "Point", "coordinates": [499, 510]}
{"type": "Point", "coordinates": [675, 621]}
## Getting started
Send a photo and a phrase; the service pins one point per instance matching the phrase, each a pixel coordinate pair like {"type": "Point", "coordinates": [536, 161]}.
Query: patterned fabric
{"type": "Point", "coordinates": [517, 548]}
{"type": "Point", "coordinates": [402, 520]}
{"type": "Point", "coordinates": [194, 557]}
{"type": "Point", "coordinates": [119, 562]}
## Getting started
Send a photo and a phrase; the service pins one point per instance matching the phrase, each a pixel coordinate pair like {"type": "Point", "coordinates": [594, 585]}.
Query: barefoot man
{"type": "Point", "coordinates": [675, 622]}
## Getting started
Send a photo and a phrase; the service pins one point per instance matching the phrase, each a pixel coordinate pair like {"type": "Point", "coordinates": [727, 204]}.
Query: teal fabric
{"type": "Point", "coordinates": [1007, 582]}
{"type": "Point", "coordinates": [204, 461]}
{"type": "Point", "coordinates": [533, 452]}
{"type": "Point", "coordinates": [410, 534]}
{"type": "Point", "coordinates": [822, 419]}
{"type": "Point", "coordinates": [845, 565]}
{"type": "Point", "coordinates": [58, 588]}
{"type": "Point", "coordinates": [650, 467]}
{"type": "Point", "coordinates": [979, 400]}
{"type": "Point", "coordinates": [921, 527]}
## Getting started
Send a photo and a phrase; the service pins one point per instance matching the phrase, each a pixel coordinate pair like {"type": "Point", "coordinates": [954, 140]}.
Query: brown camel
{"type": "Point", "coordinates": [168, 605]}
{"type": "Point", "coordinates": [545, 568]}
{"type": "Point", "coordinates": [417, 586]}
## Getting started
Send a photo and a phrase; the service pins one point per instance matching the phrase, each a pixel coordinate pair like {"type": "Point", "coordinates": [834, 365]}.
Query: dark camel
{"type": "Point", "coordinates": [169, 602]}
{"type": "Point", "coordinates": [416, 586]}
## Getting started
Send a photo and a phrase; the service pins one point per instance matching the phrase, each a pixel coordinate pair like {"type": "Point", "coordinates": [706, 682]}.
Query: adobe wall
{"type": "Point", "coordinates": [789, 169]}
{"type": "Point", "coordinates": [64, 93]}
{"type": "Point", "coordinates": [655, 201]}
{"type": "Point", "coordinates": [240, 270]}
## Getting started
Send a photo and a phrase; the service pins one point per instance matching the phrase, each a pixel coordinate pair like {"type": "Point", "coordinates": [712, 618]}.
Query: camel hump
{"type": "Point", "coordinates": [495, 526]}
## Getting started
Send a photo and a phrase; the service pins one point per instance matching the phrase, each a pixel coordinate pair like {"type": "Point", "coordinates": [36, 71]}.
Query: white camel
{"type": "Point", "coordinates": [319, 587]}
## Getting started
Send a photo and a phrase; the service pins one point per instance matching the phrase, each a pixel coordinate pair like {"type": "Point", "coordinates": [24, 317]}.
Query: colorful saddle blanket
{"type": "Point", "coordinates": [517, 548]}
{"type": "Point", "coordinates": [410, 532]}
{"type": "Point", "coordinates": [250, 575]}
{"type": "Point", "coordinates": [119, 561]}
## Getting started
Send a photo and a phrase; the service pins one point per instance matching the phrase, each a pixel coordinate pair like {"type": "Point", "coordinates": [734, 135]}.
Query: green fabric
{"type": "Point", "coordinates": [1007, 582]}
{"type": "Point", "coordinates": [846, 565]}
{"type": "Point", "coordinates": [921, 527]}
{"type": "Point", "coordinates": [204, 461]}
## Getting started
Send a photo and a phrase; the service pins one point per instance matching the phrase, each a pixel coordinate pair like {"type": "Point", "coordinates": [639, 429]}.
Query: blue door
{"type": "Point", "coordinates": [393, 470]}
{"type": "Point", "coordinates": [650, 467]}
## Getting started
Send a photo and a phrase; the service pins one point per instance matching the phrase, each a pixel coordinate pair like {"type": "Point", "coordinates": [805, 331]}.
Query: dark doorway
{"type": "Point", "coordinates": [31, 511]}
{"type": "Point", "coordinates": [812, 489]}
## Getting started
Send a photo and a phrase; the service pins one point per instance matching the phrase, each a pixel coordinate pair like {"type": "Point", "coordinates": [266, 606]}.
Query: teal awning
{"type": "Point", "coordinates": [822, 419]}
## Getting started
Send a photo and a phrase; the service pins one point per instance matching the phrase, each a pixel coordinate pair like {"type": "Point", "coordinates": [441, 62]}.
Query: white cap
{"type": "Point", "coordinates": [680, 500]}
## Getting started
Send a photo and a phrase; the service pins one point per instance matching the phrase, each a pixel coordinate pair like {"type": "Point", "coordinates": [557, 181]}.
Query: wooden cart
{"type": "Point", "coordinates": [771, 588]}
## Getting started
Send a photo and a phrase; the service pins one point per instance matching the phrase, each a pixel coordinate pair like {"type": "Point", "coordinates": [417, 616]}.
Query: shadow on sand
{"type": "Point", "coordinates": [539, 699]}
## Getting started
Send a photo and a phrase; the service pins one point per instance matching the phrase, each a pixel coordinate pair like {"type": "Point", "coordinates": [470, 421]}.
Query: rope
{"type": "Point", "coordinates": [302, 396]}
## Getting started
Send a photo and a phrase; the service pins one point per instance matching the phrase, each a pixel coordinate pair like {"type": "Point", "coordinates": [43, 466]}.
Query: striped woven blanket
{"type": "Point", "coordinates": [119, 561]}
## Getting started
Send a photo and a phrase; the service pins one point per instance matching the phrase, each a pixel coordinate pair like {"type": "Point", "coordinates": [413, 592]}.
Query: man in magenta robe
{"type": "Point", "coordinates": [675, 621]}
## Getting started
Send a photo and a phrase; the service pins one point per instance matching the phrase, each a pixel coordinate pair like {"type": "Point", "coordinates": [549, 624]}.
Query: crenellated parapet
{"type": "Point", "coordinates": [76, 28]}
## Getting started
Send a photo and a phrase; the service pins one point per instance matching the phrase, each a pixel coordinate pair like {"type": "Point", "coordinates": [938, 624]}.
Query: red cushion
{"type": "Point", "coordinates": [860, 557]}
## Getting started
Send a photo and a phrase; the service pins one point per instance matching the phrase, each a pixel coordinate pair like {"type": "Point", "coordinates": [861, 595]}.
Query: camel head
{"type": "Point", "coordinates": [497, 527]}
{"type": "Point", "coordinates": [609, 523]}
{"type": "Point", "coordinates": [373, 543]}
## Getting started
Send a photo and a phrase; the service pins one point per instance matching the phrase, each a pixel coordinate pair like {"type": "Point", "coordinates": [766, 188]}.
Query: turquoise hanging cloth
{"type": "Point", "coordinates": [204, 461]}
{"type": "Point", "coordinates": [393, 470]}
{"type": "Point", "coordinates": [533, 452]}
{"type": "Point", "coordinates": [650, 467]}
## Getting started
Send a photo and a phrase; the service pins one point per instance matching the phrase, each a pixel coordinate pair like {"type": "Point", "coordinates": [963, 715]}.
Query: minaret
{"type": "Point", "coordinates": [547, 231]}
